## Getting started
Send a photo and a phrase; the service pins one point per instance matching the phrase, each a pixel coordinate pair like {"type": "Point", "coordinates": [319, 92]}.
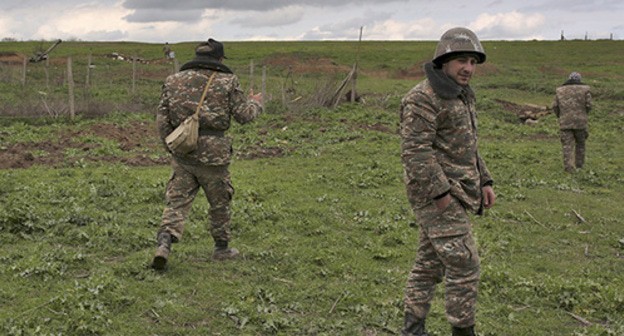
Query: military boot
{"type": "Point", "coordinates": [162, 251]}
{"type": "Point", "coordinates": [413, 326]}
{"type": "Point", "coordinates": [223, 252]}
{"type": "Point", "coordinates": [468, 331]}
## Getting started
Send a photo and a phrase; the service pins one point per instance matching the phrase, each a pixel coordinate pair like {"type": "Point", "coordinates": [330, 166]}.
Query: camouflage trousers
{"type": "Point", "coordinates": [182, 188]}
{"type": "Point", "coordinates": [447, 250]}
{"type": "Point", "coordinates": [573, 142]}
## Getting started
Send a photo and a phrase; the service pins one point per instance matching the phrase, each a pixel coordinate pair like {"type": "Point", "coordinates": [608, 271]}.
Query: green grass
{"type": "Point", "coordinates": [327, 240]}
{"type": "Point", "coordinates": [325, 230]}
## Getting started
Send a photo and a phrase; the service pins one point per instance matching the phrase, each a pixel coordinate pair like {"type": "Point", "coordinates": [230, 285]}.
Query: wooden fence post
{"type": "Point", "coordinates": [25, 62]}
{"type": "Point", "coordinates": [47, 73]}
{"type": "Point", "coordinates": [264, 69]}
{"type": "Point", "coordinates": [134, 70]}
{"type": "Point", "coordinates": [70, 85]}
{"type": "Point", "coordinates": [355, 68]}
{"type": "Point", "coordinates": [251, 75]}
{"type": "Point", "coordinates": [88, 79]}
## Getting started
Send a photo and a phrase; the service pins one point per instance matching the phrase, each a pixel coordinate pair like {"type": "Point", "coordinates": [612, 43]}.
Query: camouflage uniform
{"type": "Point", "coordinates": [207, 166]}
{"type": "Point", "coordinates": [439, 154]}
{"type": "Point", "coordinates": [572, 104]}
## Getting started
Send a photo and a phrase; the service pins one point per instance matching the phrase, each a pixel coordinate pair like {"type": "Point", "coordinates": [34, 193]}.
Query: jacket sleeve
{"type": "Point", "coordinates": [243, 109]}
{"type": "Point", "coordinates": [486, 177]}
{"type": "Point", "coordinates": [424, 176]}
{"type": "Point", "coordinates": [555, 106]}
{"type": "Point", "coordinates": [588, 101]}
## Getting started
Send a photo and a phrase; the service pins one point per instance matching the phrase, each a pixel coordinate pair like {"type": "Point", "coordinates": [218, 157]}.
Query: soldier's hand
{"type": "Point", "coordinates": [255, 97]}
{"type": "Point", "coordinates": [489, 197]}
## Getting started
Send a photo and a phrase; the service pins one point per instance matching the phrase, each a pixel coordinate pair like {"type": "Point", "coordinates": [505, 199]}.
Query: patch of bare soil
{"type": "Point", "coordinates": [378, 128]}
{"type": "Point", "coordinates": [135, 138]}
{"type": "Point", "coordinates": [553, 70]}
{"type": "Point", "coordinates": [526, 113]}
{"type": "Point", "coordinates": [416, 71]}
{"type": "Point", "coordinates": [300, 65]}
{"type": "Point", "coordinates": [12, 58]}
{"type": "Point", "coordinates": [138, 140]}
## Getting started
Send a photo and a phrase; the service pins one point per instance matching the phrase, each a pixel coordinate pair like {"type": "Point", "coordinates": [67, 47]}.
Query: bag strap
{"type": "Point", "coordinates": [201, 100]}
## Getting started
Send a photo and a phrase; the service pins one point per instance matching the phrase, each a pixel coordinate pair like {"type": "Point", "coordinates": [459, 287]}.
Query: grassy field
{"type": "Point", "coordinates": [320, 213]}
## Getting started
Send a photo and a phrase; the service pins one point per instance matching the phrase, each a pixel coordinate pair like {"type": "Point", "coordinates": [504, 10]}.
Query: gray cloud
{"type": "Point", "coordinates": [348, 29]}
{"type": "Point", "coordinates": [275, 18]}
{"type": "Point", "coordinates": [258, 5]}
{"type": "Point", "coordinates": [105, 35]}
{"type": "Point", "coordinates": [146, 11]}
{"type": "Point", "coordinates": [159, 15]}
{"type": "Point", "coordinates": [183, 20]}
{"type": "Point", "coordinates": [575, 6]}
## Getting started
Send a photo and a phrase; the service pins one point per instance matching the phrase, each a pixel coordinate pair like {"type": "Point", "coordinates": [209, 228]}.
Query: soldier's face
{"type": "Point", "coordinates": [461, 68]}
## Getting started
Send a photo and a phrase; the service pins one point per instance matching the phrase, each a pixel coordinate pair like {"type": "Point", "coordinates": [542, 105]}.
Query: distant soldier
{"type": "Point", "coordinates": [167, 50]}
{"type": "Point", "coordinates": [207, 166]}
{"type": "Point", "coordinates": [445, 178]}
{"type": "Point", "coordinates": [572, 104]}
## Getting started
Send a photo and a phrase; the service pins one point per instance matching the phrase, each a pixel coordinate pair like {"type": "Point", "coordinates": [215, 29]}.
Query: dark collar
{"type": "Point", "coordinates": [573, 82]}
{"type": "Point", "coordinates": [444, 86]}
{"type": "Point", "coordinates": [201, 62]}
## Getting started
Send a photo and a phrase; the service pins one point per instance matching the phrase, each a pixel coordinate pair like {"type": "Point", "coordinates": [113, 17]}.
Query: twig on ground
{"type": "Point", "coordinates": [579, 217]}
{"type": "Point", "coordinates": [336, 302]}
{"type": "Point", "coordinates": [583, 321]}
{"type": "Point", "coordinates": [535, 220]}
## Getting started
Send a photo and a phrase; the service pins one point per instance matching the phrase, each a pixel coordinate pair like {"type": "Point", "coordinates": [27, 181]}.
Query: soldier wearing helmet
{"type": "Point", "coordinates": [446, 178]}
{"type": "Point", "coordinates": [572, 104]}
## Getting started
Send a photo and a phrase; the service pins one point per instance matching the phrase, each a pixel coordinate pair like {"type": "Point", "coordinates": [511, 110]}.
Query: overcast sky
{"type": "Point", "coordinates": [234, 20]}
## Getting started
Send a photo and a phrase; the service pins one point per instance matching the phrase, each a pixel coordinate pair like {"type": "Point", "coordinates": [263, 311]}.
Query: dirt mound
{"type": "Point", "coordinates": [527, 113]}
{"type": "Point", "coordinates": [133, 139]}
{"type": "Point", "coordinates": [553, 70]}
{"type": "Point", "coordinates": [414, 72]}
{"type": "Point", "coordinates": [138, 142]}
{"type": "Point", "coordinates": [417, 72]}
{"type": "Point", "coordinates": [301, 64]}
{"type": "Point", "coordinates": [11, 58]}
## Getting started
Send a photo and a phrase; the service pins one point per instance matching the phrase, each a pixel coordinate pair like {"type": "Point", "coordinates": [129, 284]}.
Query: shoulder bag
{"type": "Point", "coordinates": [183, 139]}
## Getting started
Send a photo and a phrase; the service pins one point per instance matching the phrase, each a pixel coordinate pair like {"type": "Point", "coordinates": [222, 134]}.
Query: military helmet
{"type": "Point", "coordinates": [575, 76]}
{"type": "Point", "coordinates": [456, 41]}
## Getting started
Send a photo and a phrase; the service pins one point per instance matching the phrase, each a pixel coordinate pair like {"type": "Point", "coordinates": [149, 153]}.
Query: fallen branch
{"type": "Point", "coordinates": [578, 216]}
{"type": "Point", "coordinates": [535, 220]}
{"type": "Point", "coordinates": [583, 321]}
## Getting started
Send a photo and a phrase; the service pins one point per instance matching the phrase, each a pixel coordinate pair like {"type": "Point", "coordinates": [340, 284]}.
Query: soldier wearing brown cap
{"type": "Point", "coordinates": [572, 104]}
{"type": "Point", "coordinates": [446, 178]}
{"type": "Point", "coordinates": [207, 166]}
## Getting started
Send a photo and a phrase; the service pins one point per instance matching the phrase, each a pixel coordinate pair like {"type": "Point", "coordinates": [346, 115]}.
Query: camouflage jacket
{"type": "Point", "coordinates": [572, 104]}
{"type": "Point", "coordinates": [225, 99]}
{"type": "Point", "coordinates": [439, 143]}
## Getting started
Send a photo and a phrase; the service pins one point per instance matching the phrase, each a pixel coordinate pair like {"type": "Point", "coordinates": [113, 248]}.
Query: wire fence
{"type": "Point", "coordinates": [101, 84]}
